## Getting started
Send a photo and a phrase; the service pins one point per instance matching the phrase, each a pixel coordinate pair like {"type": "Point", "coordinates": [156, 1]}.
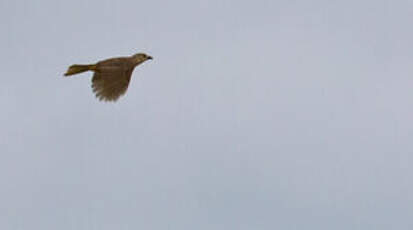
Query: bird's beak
{"type": "Point", "coordinates": [150, 57]}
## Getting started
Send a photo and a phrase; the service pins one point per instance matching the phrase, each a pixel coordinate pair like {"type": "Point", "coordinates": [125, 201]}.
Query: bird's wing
{"type": "Point", "coordinates": [110, 85]}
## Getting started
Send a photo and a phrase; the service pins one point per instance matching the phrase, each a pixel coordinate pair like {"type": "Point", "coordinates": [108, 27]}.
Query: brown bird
{"type": "Point", "coordinates": [111, 76]}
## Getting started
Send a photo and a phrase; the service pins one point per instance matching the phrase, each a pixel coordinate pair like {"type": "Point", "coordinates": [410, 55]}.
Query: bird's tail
{"type": "Point", "coordinates": [75, 69]}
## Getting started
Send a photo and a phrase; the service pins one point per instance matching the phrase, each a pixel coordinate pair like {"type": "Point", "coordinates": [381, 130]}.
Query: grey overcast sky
{"type": "Point", "coordinates": [253, 115]}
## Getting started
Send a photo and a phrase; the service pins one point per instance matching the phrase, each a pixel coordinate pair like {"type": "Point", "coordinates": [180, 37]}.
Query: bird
{"type": "Point", "coordinates": [111, 76]}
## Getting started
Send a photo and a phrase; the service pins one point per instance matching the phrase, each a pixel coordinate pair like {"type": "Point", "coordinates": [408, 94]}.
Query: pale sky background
{"type": "Point", "coordinates": [253, 115]}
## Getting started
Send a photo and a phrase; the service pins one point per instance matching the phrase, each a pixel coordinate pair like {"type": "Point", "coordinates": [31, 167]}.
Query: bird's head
{"type": "Point", "coordinates": [141, 57]}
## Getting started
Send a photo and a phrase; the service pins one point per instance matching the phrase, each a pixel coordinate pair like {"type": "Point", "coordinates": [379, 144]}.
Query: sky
{"type": "Point", "coordinates": [253, 115]}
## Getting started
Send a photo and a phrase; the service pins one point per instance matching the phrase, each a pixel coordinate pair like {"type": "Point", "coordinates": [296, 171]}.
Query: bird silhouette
{"type": "Point", "coordinates": [111, 76]}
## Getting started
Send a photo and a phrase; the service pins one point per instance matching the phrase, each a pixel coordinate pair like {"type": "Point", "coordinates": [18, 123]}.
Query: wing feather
{"type": "Point", "coordinates": [110, 85]}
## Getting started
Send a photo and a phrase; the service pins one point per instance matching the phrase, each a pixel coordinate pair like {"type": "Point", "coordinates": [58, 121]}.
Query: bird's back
{"type": "Point", "coordinates": [118, 63]}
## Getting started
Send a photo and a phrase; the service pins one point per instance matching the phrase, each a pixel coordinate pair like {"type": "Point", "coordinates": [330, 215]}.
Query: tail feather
{"type": "Point", "coordinates": [75, 69]}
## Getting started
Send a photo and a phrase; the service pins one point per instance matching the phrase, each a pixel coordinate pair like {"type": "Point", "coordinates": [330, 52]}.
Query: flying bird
{"type": "Point", "coordinates": [111, 76]}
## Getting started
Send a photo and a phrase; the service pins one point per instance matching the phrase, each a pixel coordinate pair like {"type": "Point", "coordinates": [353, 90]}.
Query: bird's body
{"type": "Point", "coordinates": [111, 76]}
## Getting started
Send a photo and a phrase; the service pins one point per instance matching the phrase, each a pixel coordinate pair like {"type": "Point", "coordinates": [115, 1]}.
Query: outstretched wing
{"type": "Point", "coordinates": [110, 85]}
